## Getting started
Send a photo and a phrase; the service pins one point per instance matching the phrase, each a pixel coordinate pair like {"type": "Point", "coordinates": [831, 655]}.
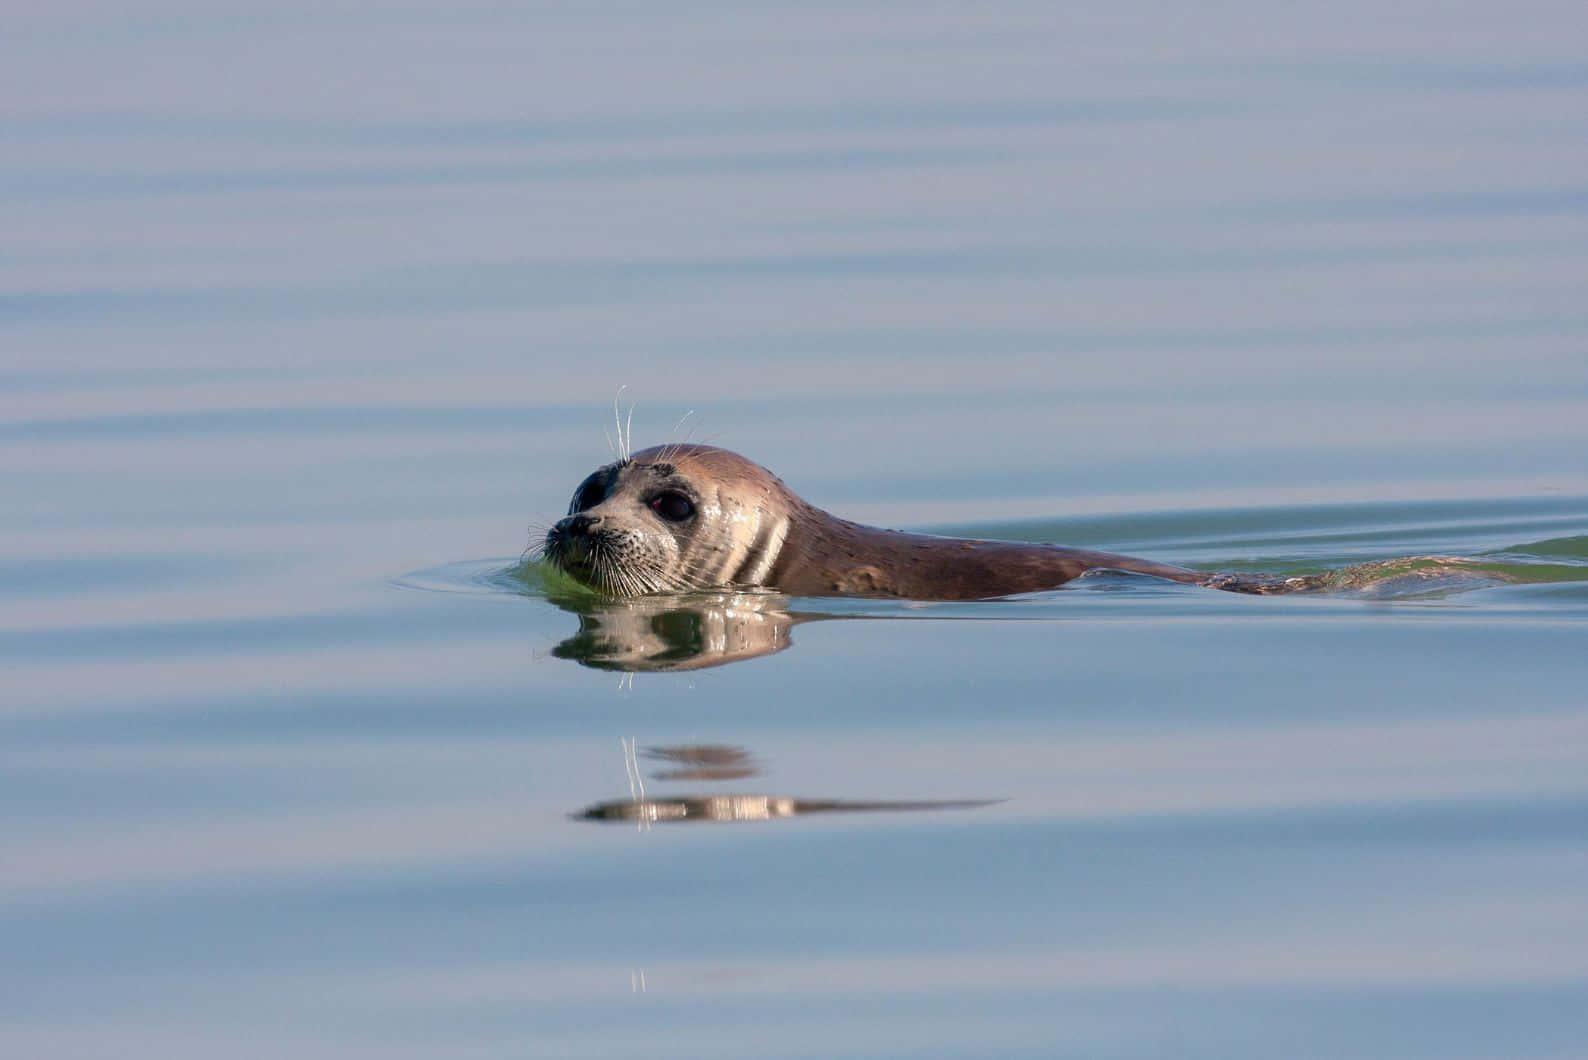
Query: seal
{"type": "Point", "coordinates": [686, 518]}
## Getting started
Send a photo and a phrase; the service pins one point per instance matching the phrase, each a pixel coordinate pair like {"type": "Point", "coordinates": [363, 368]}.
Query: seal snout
{"type": "Point", "coordinates": [573, 529]}
{"type": "Point", "coordinates": [572, 540]}
{"type": "Point", "coordinates": [579, 525]}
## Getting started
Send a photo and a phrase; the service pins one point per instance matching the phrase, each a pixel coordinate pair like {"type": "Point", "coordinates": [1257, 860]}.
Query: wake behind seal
{"type": "Point", "coordinates": [686, 518]}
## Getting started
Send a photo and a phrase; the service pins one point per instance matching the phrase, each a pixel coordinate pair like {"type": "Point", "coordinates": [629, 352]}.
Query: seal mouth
{"type": "Point", "coordinates": [560, 546]}
{"type": "Point", "coordinates": [569, 554]}
{"type": "Point", "coordinates": [591, 559]}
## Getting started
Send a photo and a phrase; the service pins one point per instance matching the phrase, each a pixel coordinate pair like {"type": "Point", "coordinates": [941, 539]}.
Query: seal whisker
{"type": "Point", "coordinates": [670, 450]}
{"type": "Point", "coordinates": [536, 549]}
{"type": "Point", "coordinates": [628, 432]}
{"type": "Point", "coordinates": [617, 419]}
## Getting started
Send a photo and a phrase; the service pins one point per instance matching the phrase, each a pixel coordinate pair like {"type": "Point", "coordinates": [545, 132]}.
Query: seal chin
{"type": "Point", "coordinates": [569, 555]}
{"type": "Point", "coordinates": [575, 556]}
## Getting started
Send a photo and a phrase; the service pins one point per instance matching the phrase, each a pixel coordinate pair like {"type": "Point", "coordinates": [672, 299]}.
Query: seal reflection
{"type": "Point", "coordinates": [718, 762]}
{"type": "Point", "coordinates": [661, 634]}
{"type": "Point", "coordinates": [755, 808]}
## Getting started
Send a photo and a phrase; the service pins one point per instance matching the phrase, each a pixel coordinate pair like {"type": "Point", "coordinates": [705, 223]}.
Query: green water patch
{"type": "Point", "coordinates": [1539, 562]}
{"type": "Point", "coordinates": [528, 576]}
{"type": "Point", "coordinates": [536, 577]}
{"type": "Point", "coordinates": [1555, 547]}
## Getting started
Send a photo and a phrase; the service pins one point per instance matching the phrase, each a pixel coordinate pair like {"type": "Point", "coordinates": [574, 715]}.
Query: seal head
{"type": "Point", "coordinates": [674, 519]}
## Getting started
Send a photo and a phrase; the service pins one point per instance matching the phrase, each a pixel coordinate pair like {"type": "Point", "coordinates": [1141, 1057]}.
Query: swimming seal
{"type": "Point", "coordinates": [683, 518]}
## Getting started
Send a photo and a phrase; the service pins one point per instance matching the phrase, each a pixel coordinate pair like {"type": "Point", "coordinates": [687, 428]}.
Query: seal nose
{"type": "Point", "coordinates": [580, 524]}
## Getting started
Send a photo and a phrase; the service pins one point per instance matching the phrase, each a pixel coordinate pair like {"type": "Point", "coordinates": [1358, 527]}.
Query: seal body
{"type": "Point", "coordinates": [685, 518]}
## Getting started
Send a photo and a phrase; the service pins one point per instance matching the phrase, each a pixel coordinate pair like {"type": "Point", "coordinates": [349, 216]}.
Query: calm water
{"type": "Point", "coordinates": [309, 314]}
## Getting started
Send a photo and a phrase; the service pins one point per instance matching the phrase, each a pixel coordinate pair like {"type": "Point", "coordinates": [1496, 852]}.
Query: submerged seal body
{"type": "Point", "coordinates": [682, 518]}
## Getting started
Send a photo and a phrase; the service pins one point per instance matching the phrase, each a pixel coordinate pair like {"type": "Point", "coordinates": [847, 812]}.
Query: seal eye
{"type": "Point", "coordinates": [592, 491]}
{"type": "Point", "coordinates": [672, 506]}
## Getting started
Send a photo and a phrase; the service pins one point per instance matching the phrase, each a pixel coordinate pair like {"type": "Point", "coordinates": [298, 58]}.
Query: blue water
{"type": "Point", "coordinates": [310, 316]}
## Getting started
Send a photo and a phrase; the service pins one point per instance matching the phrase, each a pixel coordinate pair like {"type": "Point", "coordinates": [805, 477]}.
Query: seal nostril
{"type": "Point", "coordinates": [581, 523]}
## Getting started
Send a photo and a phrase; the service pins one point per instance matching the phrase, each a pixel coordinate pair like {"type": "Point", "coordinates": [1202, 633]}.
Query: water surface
{"type": "Point", "coordinates": [309, 315]}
